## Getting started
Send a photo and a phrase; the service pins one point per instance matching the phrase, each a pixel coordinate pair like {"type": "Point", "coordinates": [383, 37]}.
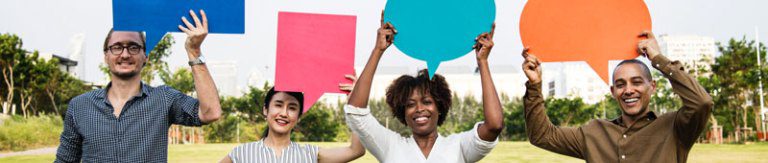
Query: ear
{"type": "Point", "coordinates": [264, 111]}
{"type": "Point", "coordinates": [653, 87]}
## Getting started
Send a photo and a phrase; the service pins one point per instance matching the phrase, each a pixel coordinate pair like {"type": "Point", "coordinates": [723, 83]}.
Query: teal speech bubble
{"type": "Point", "coordinates": [438, 30]}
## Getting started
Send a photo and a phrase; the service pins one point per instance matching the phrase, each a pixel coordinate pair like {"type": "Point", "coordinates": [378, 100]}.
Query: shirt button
{"type": "Point", "coordinates": [625, 135]}
{"type": "Point", "coordinates": [623, 157]}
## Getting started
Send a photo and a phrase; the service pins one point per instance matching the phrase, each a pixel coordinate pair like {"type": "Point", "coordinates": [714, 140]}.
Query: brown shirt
{"type": "Point", "coordinates": [666, 138]}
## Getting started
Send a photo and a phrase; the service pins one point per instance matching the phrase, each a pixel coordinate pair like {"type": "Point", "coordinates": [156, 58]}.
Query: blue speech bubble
{"type": "Point", "coordinates": [438, 30]}
{"type": "Point", "coordinates": [157, 17]}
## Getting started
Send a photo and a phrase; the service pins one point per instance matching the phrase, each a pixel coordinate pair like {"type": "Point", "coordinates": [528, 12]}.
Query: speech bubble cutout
{"type": "Point", "coordinates": [314, 52]}
{"type": "Point", "coordinates": [438, 30]}
{"type": "Point", "coordinates": [594, 31]}
{"type": "Point", "coordinates": [157, 17]}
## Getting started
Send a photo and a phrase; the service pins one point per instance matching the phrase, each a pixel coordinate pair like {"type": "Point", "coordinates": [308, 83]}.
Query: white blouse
{"type": "Point", "coordinates": [389, 146]}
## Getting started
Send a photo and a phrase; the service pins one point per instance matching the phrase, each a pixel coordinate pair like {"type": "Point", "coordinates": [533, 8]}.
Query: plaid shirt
{"type": "Point", "coordinates": [93, 134]}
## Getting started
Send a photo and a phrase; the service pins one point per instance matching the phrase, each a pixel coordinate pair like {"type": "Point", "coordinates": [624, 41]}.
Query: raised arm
{"type": "Point", "coordinates": [210, 106]}
{"type": "Point", "coordinates": [692, 118]}
{"type": "Point", "coordinates": [343, 154]}
{"type": "Point", "coordinates": [541, 132]}
{"type": "Point", "coordinates": [493, 125]}
{"type": "Point", "coordinates": [362, 90]}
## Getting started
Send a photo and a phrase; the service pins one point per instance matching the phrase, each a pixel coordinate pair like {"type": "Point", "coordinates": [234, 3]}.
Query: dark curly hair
{"type": "Point", "coordinates": [401, 89]}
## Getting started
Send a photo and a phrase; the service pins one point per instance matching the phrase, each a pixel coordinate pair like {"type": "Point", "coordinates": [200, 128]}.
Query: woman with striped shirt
{"type": "Point", "coordinates": [282, 111]}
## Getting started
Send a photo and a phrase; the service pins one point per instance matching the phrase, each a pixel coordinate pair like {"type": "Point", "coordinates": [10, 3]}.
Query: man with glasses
{"type": "Point", "coordinates": [128, 120]}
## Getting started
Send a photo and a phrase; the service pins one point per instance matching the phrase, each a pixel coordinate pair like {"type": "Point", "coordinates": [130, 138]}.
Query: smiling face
{"type": "Point", "coordinates": [282, 113]}
{"type": "Point", "coordinates": [122, 63]}
{"type": "Point", "coordinates": [632, 88]}
{"type": "Point", "coordinates": [421, 113]}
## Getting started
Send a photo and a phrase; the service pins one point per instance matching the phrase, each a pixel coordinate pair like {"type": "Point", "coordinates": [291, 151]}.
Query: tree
{"type": "Point", "coordinates": [734, 82]}
{"type": "Point", "coordinates": [10, 55]}
{"type": "Point", "coordinates": [180, 80]}
{"type": "Point", "coordinates": [317, 124]}
{"type": "Point", "coordinates": [569, 111]}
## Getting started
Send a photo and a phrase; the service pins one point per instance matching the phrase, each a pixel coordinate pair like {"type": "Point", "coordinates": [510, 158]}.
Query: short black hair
{"type": "Point", "coordinates": [298, 95]}
{"type": "Point", "coordinates": [141, 35]}
{"type": "Point", "coordinates": [646, 71]}
{"type": "Point", "coordinates": [400, 91]}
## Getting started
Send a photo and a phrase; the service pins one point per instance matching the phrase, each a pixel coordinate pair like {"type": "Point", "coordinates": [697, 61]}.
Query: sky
{"type": "Point", "coordinates": [49, 25]}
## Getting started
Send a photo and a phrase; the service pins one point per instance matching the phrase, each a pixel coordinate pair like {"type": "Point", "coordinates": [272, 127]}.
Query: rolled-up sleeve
{"type": "Point", "coordinates": [375, 137]}
{"type": "Point", "coordinates": [473, 147]}
{"type": "Point", "coordinates": [184, 109]}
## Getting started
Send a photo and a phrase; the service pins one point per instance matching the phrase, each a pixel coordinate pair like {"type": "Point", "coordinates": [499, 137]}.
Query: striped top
{"type": "Point", "coordinates": [259, 152]}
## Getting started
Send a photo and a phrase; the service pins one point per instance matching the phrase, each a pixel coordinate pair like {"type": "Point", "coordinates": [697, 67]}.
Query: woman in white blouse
{"type": "Point", "coordinates": [422, 104]}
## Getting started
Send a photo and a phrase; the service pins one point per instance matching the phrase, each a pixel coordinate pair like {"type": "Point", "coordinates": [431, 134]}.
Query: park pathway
{"type": "Point", "coordinates": [49, 150]}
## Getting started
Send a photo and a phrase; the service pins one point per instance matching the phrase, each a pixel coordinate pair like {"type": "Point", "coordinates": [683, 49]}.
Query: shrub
{"type": "Point", "coordinates": [18, 133]}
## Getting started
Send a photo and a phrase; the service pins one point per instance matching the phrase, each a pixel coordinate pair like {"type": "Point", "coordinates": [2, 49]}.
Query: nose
{"type": "Point", "coordinates": [629, 91]}
{"type": "Point", "coordinates": [125, 54]}
{"type": "Point", "coordinates": [283, 112]}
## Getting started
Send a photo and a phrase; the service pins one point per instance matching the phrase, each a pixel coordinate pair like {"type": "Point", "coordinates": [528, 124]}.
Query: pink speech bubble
{"type": "Point", "coordinates": [314, 52]}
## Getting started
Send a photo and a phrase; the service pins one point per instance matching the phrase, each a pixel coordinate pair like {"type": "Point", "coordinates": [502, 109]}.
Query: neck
{"type": "Point", "coordinates": [278, 141]}
{"type": "Point", "coordinates": [426, 142]}
{"type": "Point", "coordinates": [629, 120]}
{"type": "Point", "coordinates": [124, 89]}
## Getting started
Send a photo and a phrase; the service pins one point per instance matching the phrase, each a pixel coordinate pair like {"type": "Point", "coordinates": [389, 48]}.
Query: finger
{"type": "Point", "coordinates": [530, 66]}
{"type": "Point", "coordinates": [525, 52]}
{"type": "Point", "coordinates": [194, 18]}
{"type": "Point", "coordinates": [647, 34]}
{"type": "Point", "coordinates": [186, 22]}
{"type": "Point", "coordinates": [351, 77]}
{"type": "Point", "coordinates": [535, 59]}
{"type": "Point", "coordinates": [205, 19]}
{"type": "Point", "coordinates": [185, 30]}
{"type": "Point", "coordinates": [390, 26]}
{"type": "Point", "coordinates": [382, 18]}
{"type": "Point", "coordinates": [493, 30]}
{"type": "Point", "coordinates": [650, 34]}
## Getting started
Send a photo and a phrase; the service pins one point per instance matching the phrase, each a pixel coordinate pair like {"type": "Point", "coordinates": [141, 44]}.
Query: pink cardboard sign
{"type": "Point", "coordinates": [314, 52]}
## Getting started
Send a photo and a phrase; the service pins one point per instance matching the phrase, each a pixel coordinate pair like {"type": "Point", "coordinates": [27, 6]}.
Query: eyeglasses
{"type": "Point", "coordinates": [118, 49]}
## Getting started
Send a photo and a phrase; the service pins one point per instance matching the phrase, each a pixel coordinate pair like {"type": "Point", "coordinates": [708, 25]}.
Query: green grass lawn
{"type": "Point", "coordinates": [504, 152]}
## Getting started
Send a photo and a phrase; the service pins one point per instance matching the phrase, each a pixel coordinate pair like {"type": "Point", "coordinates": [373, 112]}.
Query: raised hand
{"type": "Point", "coordinates": [195, 32]}
{"type": "Point", "coordinates": [484, 44]}
{"type": "Point", "coordinates": [531, 67]}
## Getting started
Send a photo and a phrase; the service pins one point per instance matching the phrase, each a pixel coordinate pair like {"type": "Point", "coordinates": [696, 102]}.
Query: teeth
{"type": "Point", "coordinates": [282, 121]}
{"type": "Point", "coordinates": [630, 100]}
{"type": "Point", "coordinates": [421, 119]}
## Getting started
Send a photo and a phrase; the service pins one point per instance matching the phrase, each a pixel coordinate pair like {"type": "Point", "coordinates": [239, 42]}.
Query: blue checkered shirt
{"type": "Point", "coordinates": [93, 134]}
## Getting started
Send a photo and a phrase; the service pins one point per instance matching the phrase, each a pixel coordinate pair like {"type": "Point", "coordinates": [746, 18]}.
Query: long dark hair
{"type": "Point", "coordinates": [268, 97]}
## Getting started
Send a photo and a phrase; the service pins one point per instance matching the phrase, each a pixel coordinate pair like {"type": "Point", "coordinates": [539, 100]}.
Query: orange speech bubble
{"type": "Point", "coordinates": [594, 31]}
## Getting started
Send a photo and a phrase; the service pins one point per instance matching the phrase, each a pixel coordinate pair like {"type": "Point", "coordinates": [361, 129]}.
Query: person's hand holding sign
{"type": "Point", "coordinates": [648, 46]}
{"type": "Point", "coordinates": [484, 44]}
{"type": "Point", "coordinates": [385, 35]}
{"type": "Point", "coordinates": [531, 67]}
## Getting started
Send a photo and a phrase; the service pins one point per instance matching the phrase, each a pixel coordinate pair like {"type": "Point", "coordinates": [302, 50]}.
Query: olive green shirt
{"type": "Point", "coordinates": [666, 138]}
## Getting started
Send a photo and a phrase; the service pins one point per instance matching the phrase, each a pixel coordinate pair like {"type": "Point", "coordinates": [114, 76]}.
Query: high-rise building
{"type": "Point", "coordinates": [693, 51]}
{"type": "Point", "coordinates": [571, 80]}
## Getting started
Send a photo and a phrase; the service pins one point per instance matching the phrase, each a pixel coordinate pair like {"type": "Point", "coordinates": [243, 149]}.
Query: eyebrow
{"type": "Point", "coordinates": [129, 43]}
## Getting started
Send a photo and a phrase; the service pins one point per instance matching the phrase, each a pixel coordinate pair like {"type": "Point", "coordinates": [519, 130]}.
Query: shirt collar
{"type": "Point", "coordinates": [102, 93]}
{"type": "Point", "coordinates": [650, 116]}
